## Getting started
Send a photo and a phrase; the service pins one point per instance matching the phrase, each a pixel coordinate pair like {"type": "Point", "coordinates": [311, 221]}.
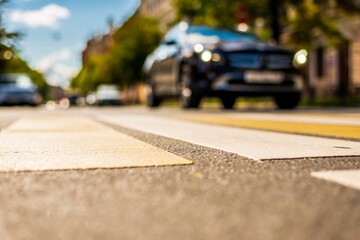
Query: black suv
{"type": "Point", "coordinates": [198, 61]}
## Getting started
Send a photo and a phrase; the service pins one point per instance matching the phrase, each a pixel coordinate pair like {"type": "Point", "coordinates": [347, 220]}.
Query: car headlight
{"type": "Point", "coordinates": [300, 57]}
{"type": "Point", "coordinates": [206, 56]}
{"type": "Point", "coordinates": [214, 57]}
{"type": "Point", "coordinates": [198, 48]}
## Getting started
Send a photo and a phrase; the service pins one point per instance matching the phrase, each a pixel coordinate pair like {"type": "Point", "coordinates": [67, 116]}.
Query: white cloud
{"type": "Point", "coordinates": [60, 56]}
{"type": "Point", "coordinates": [47, 16]}
{"type": "Point", "coordinates": [54, 67]}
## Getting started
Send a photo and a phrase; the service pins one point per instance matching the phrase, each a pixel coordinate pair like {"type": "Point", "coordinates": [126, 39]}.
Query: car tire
{"type": "Point", "coordinates": [228, 101]}
{"type": "Point", "coordinates": [152, 100]}
{"type": "Point", "coordinates": [288, 100]}
{"type": "Point", "coordinates": [189, 97]}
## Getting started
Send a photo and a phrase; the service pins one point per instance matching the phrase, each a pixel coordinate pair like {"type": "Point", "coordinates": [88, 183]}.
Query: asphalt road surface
{"type": "Point", "coordinates": [134, 173]}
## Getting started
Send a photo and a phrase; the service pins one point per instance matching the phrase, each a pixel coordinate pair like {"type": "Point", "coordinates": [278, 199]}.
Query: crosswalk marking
{"type": "Point", "coordinates": [349, 178]}
{"type": "Point", "coordinates": [321, 129]}
{"type": "Point", "coordinates": [254, 144]}
{"type": "Point", "coordinates": [74, 142]}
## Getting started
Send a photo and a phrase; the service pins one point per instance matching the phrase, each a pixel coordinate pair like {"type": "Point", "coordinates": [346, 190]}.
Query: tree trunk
{"type": "Point", "coordinates": [343, 90]}
{"type": "Point", "coordinates": [274, 14]}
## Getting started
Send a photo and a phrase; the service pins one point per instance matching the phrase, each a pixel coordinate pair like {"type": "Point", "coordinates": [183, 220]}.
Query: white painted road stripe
{"type": "Point", "coordinates": [70, 142]}
{"type": "Point", "coordinates": [349, 178]}
{"type": "Point", "coordinates": [254, 144]}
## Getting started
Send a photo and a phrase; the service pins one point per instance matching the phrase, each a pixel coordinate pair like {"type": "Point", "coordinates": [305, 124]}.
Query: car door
{"type": "Point", "coordinates": [166, 64]}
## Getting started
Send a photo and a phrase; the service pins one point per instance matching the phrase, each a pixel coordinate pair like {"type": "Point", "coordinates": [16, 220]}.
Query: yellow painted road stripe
{"type": "Point", "coordinates": [74, 142]}
{"type": "Point", "coordinates": [329, 130]}
{"type": "Point", "coordinates": [326, 115]}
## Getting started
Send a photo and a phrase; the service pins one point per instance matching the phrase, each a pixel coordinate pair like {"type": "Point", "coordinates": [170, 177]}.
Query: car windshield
{"type": "Point", "coordinates": [202, 34]}
{"type": "Point", "coordinates": [22, 81]}
{"type": "Point", "coordinates": [110, 88]}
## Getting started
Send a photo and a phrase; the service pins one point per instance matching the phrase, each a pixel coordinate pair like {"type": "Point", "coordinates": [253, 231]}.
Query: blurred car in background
{"type": "Point", "coordinates": [76, 100]}
{"type": "Point", "coordinates": [108, 94]}
{"type": "Point", "coordinates": [199, 61]}
{"type": "Point", "coordinates": [18, 89]}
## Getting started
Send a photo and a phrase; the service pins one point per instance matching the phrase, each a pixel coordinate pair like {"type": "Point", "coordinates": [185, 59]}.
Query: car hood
{"type": "Point", "coordinates": [249, 47]}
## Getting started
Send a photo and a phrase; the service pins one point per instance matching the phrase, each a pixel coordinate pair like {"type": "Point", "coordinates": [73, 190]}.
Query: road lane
{"type": "Point", "coordinates": [254, 144]}
{"type": "Point", "coordinates": [57, 142]}
{"type": "Point", "coordinates": [220, 196]}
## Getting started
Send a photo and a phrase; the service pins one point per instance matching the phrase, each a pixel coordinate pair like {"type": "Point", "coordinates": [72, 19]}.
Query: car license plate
{"type": "Point", "coordinates": [14, 99]}
{"type": "Point", "coordinates": [264, 77]}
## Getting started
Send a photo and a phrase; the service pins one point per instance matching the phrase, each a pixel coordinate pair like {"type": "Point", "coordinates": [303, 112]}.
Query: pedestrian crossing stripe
{"type": "Point", "coordinates": [317, 129]}
{"type": "Point", "coordinates": [349, 178]}
{"type": "Point", "coordinates": [61, 142]}
{"type": "Point", "coordinates": [253, 144]}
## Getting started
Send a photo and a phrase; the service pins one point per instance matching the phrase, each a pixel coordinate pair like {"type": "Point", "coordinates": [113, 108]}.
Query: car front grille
{"type": "Point", "coordinates": [280, 61]}
{"type": "Point", "coordinates": [244, 60]}
{"type": "Point", "coordinates": [259, 60]}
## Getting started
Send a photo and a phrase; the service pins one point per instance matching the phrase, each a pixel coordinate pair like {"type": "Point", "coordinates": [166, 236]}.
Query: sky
{"type": "Point", "coordinates": [54, 33]}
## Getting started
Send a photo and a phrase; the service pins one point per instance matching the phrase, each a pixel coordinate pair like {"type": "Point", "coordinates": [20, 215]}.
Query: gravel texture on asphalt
{"type": "Point", "coordinates": [220, 196]}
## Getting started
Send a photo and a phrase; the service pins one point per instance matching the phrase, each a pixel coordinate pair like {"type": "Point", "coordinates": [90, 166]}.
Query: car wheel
{"type": "Point", "coordinates": [151, 99]}
{"type": "Point", "coordinates": [228, 101]}
{"type": "Point", "coordinates": [288, 100]}
{"type": "Point", "coordinates": [189, 98]}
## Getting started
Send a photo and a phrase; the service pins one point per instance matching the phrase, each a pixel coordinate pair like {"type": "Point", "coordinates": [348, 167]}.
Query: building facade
{"type": "Point", "coordinates": [160, 9]}
{"type": "Point", "coordinates": [99, 45]}
{"type": "Point", "coordinates": [336, 72]}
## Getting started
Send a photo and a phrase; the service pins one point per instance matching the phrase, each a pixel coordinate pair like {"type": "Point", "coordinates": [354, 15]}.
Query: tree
{"type": "Point", "coordinates": [91, 75]}
{"type": "Point", "coordinates": [218, 13]}
{"type": "Point", "coordinates": [10, 62]}
{"type": "Point", "coordinates": [6, 41]}
{"type": "Point", "coordinates": [134, 40]}
{"type": "Point", "coordinates": [4, 35]}
{"type": "Point", "coordinates": [306, 21]}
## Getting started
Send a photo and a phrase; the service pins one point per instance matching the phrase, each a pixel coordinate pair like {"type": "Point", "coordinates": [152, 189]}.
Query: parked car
{"type": "Point", "coordinates": [197, 61]}
{"type": "Point", "coordinates": [108, 94]}
{"type": "Point", "coordinates": [17, 89]}
{"type": "Point", "coordinates": [76, 99]}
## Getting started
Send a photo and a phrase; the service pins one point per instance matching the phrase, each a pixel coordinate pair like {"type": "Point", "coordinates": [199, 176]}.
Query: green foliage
{"type": "Point", "coordinates": [306, 21]}
{"type": "Point", "coordinates": [4, 35]}
{"type": "Point", "coordinates": [209, 12]}
{"type": "Point", "coordinates": [6, 39]}
{"type": "Point", "coordinates": [134, 40]}
{"type": "Point", "coordinates": [90, 75]}
{"type": "Point", "coordinates": [310, 25]}
{"type": "Point", "coordinates": [217, 13]}
{"type": "Point", "coordinates": [15, 64]}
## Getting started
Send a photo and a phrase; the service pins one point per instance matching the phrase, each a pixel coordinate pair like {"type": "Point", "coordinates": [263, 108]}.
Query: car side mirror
{"type": "Point", "coordinates": [171, 42]}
